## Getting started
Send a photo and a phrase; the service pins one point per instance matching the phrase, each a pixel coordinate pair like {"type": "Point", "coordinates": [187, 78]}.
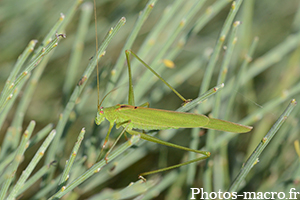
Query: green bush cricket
{"type": "Point", "coordinates": [142, 117]}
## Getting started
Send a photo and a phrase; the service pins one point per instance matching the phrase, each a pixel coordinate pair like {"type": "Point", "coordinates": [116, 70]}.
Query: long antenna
{"type": "Point", "coordinates": [98, 87]}
{"type": "Point", "coordinates": [107, 95]}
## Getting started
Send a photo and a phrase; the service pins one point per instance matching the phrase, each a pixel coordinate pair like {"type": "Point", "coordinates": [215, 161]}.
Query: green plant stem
{"type": "Point", "coordinates": [33, 179]}
{"type": "Point", "coordinates": [210, 12]}
{"type": "Point", "coordinates": [271, 57]}
{"type": "Point", "coordinates": [77, 91]}
{"type": "Point", "coordinates": [207, 79]}
{"type": "Point", "coordinates": [21, 59]}
{"type": "Point", "coordinates": [253, 159]}
{"type": "Point", "coordinates": [221, 79]}
{"type": "Point", "coordinates": [26, 173]}
{"type": "Point", "coordinates": [240, 75]}
{"type": "Point", "coordinates": [35, 139]}
{"type": "Point", "coordinates": [7, 95]}
{"type": "Point", "coordinates": [9, 138]}
{"type": "Point", "coordinates": [11, 170]}
{"type": "Point", "coordinates": [77, 48]}
{"type": "Point", "coordinates": [159, 27]}
{"type": "Point", "coordinates": [95, 168]}
{"type": "Point", "coordinates": [200, 99]}
{"type": "Point", "coordinates": [141, 88]}
{"type": "Point", "coordinates": [67, 169]}
{"type": "Point", "coordinates": [213, 60]}
{"type": "Point", "coordinates": [131, 38]}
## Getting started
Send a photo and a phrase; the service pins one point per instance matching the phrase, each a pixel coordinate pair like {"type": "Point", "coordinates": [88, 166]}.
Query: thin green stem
{"type": "Point", "coordinates": [253, 159]}
{"type": "Point", "coordinates": [239, 77]}
{"type": "Point", "coordinates": [34, 161]}
{"type": "Point", "coordinates": [131, 38]}
{"type": "Point", "coordinates": [77, 91]}
{"type": "Point", "coordinates": [11, 170]}
{"type": "Point", "coordinates": [6, 96]}
{"type": "Point", "coordinates": [77, 49]}
{"type": "Point", "coordinates": [95, 168]}
{"type": "Point", "coordinates": [213, 60]}
{"type": "Point", "coordinates": [141, 88]}
{"type": "Point", "coordinates": [21, 59]}
{"type": "Point", "coordinates": [67, 169]}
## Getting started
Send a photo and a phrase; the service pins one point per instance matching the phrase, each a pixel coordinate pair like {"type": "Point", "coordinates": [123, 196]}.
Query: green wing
{"type": "Point", "coordinates": [222, 125]}
{"type": "Point", "coordinates": [156, 119]}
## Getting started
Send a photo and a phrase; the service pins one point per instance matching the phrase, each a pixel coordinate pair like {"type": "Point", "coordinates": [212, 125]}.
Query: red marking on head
{"type": "Point", "coordinates": [101, 112]}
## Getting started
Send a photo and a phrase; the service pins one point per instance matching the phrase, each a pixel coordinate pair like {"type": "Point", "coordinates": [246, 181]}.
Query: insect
{"type": "Point", "coordinates": [142, 117]}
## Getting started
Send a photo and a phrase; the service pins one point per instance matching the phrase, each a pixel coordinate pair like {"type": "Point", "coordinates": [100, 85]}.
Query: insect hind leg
{"type": "Point", "coordinates": [205, 154]}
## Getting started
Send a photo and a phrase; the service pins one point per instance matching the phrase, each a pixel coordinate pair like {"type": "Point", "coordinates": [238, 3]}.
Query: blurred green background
{"type": "Point", "coordinates": [275, 61]}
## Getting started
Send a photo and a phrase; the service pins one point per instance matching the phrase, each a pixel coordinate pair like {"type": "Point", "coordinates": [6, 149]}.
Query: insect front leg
{"type": "Point", "coordinates": [111, 125]}
{"type": "Point", "coordinates": [118, 138]}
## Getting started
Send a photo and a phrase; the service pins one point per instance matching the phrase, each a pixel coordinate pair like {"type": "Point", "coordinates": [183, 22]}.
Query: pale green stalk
{"type": "Point", "coordinates": [77, 49]}
{"type": "Point", "coordinates": [45, 191]}
{"type": "Point", "coordinates": [120, 164]}
{"type": "Point", "coordinates": [28, 93]}
{"type": "Point", "coordinates": [239, 76]}
{"type": "Point", "coordinates": [214, 57]}
{"type": "Point", "coordinates": [12, 168]}
{"type": "Point", "coordinates": [35, 139]}
{"type": "Point", "coordinates": [21, 59]}
{"type": "Point", "coordinates": [70, 14]}
{"type": "Point", "coordinates": [163, 184]}
{"type": "Point", "coordinates": [221, 79]}
{"type": "Point", "coordinates": [132, 190]}
{"type": "Point", "coordinates": [141, 88]}
{"type": "Point", "coordinates": [254, 158]}
{"type": "Point", "coordinates": [34, 161]}
{"type": "Point", "coordinates": [296, 21]}
{"type": "Point", "coordinates": [9, 137]}
{"type": "Point", "coordinates": [258, 114]}
{"type": "Point", "coordinates": [26, 99]}
{"type": "Point", "coordinates": [69, 163]}
{"type": "Point", "coordinates": [33, 179]}
{"type": "Point", "coordinates": [6, 96]}
{"type": "Point", "coordinates": [77, 91]}
{"type": "Point", "coordinates": [210, 12]}
{"type": "Point", "coordinates": [208, 75]}
{"type": "Point", "coordinates": [116, 72]}
{"type": "Point", "coordinates": [218, 173]}
{"type": "Point", "coordinates": [200, 99]}
{"type": "Point", "coordinates": [151, 39]}
{"type": "Point", "coordinates": [272, 56]}
{"type": "Point", "coordinates": [95, 168]}
{"type": "Point", "coordinates": [48, 38]}
{"type": "Point", "coordinates": [195, 139]}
